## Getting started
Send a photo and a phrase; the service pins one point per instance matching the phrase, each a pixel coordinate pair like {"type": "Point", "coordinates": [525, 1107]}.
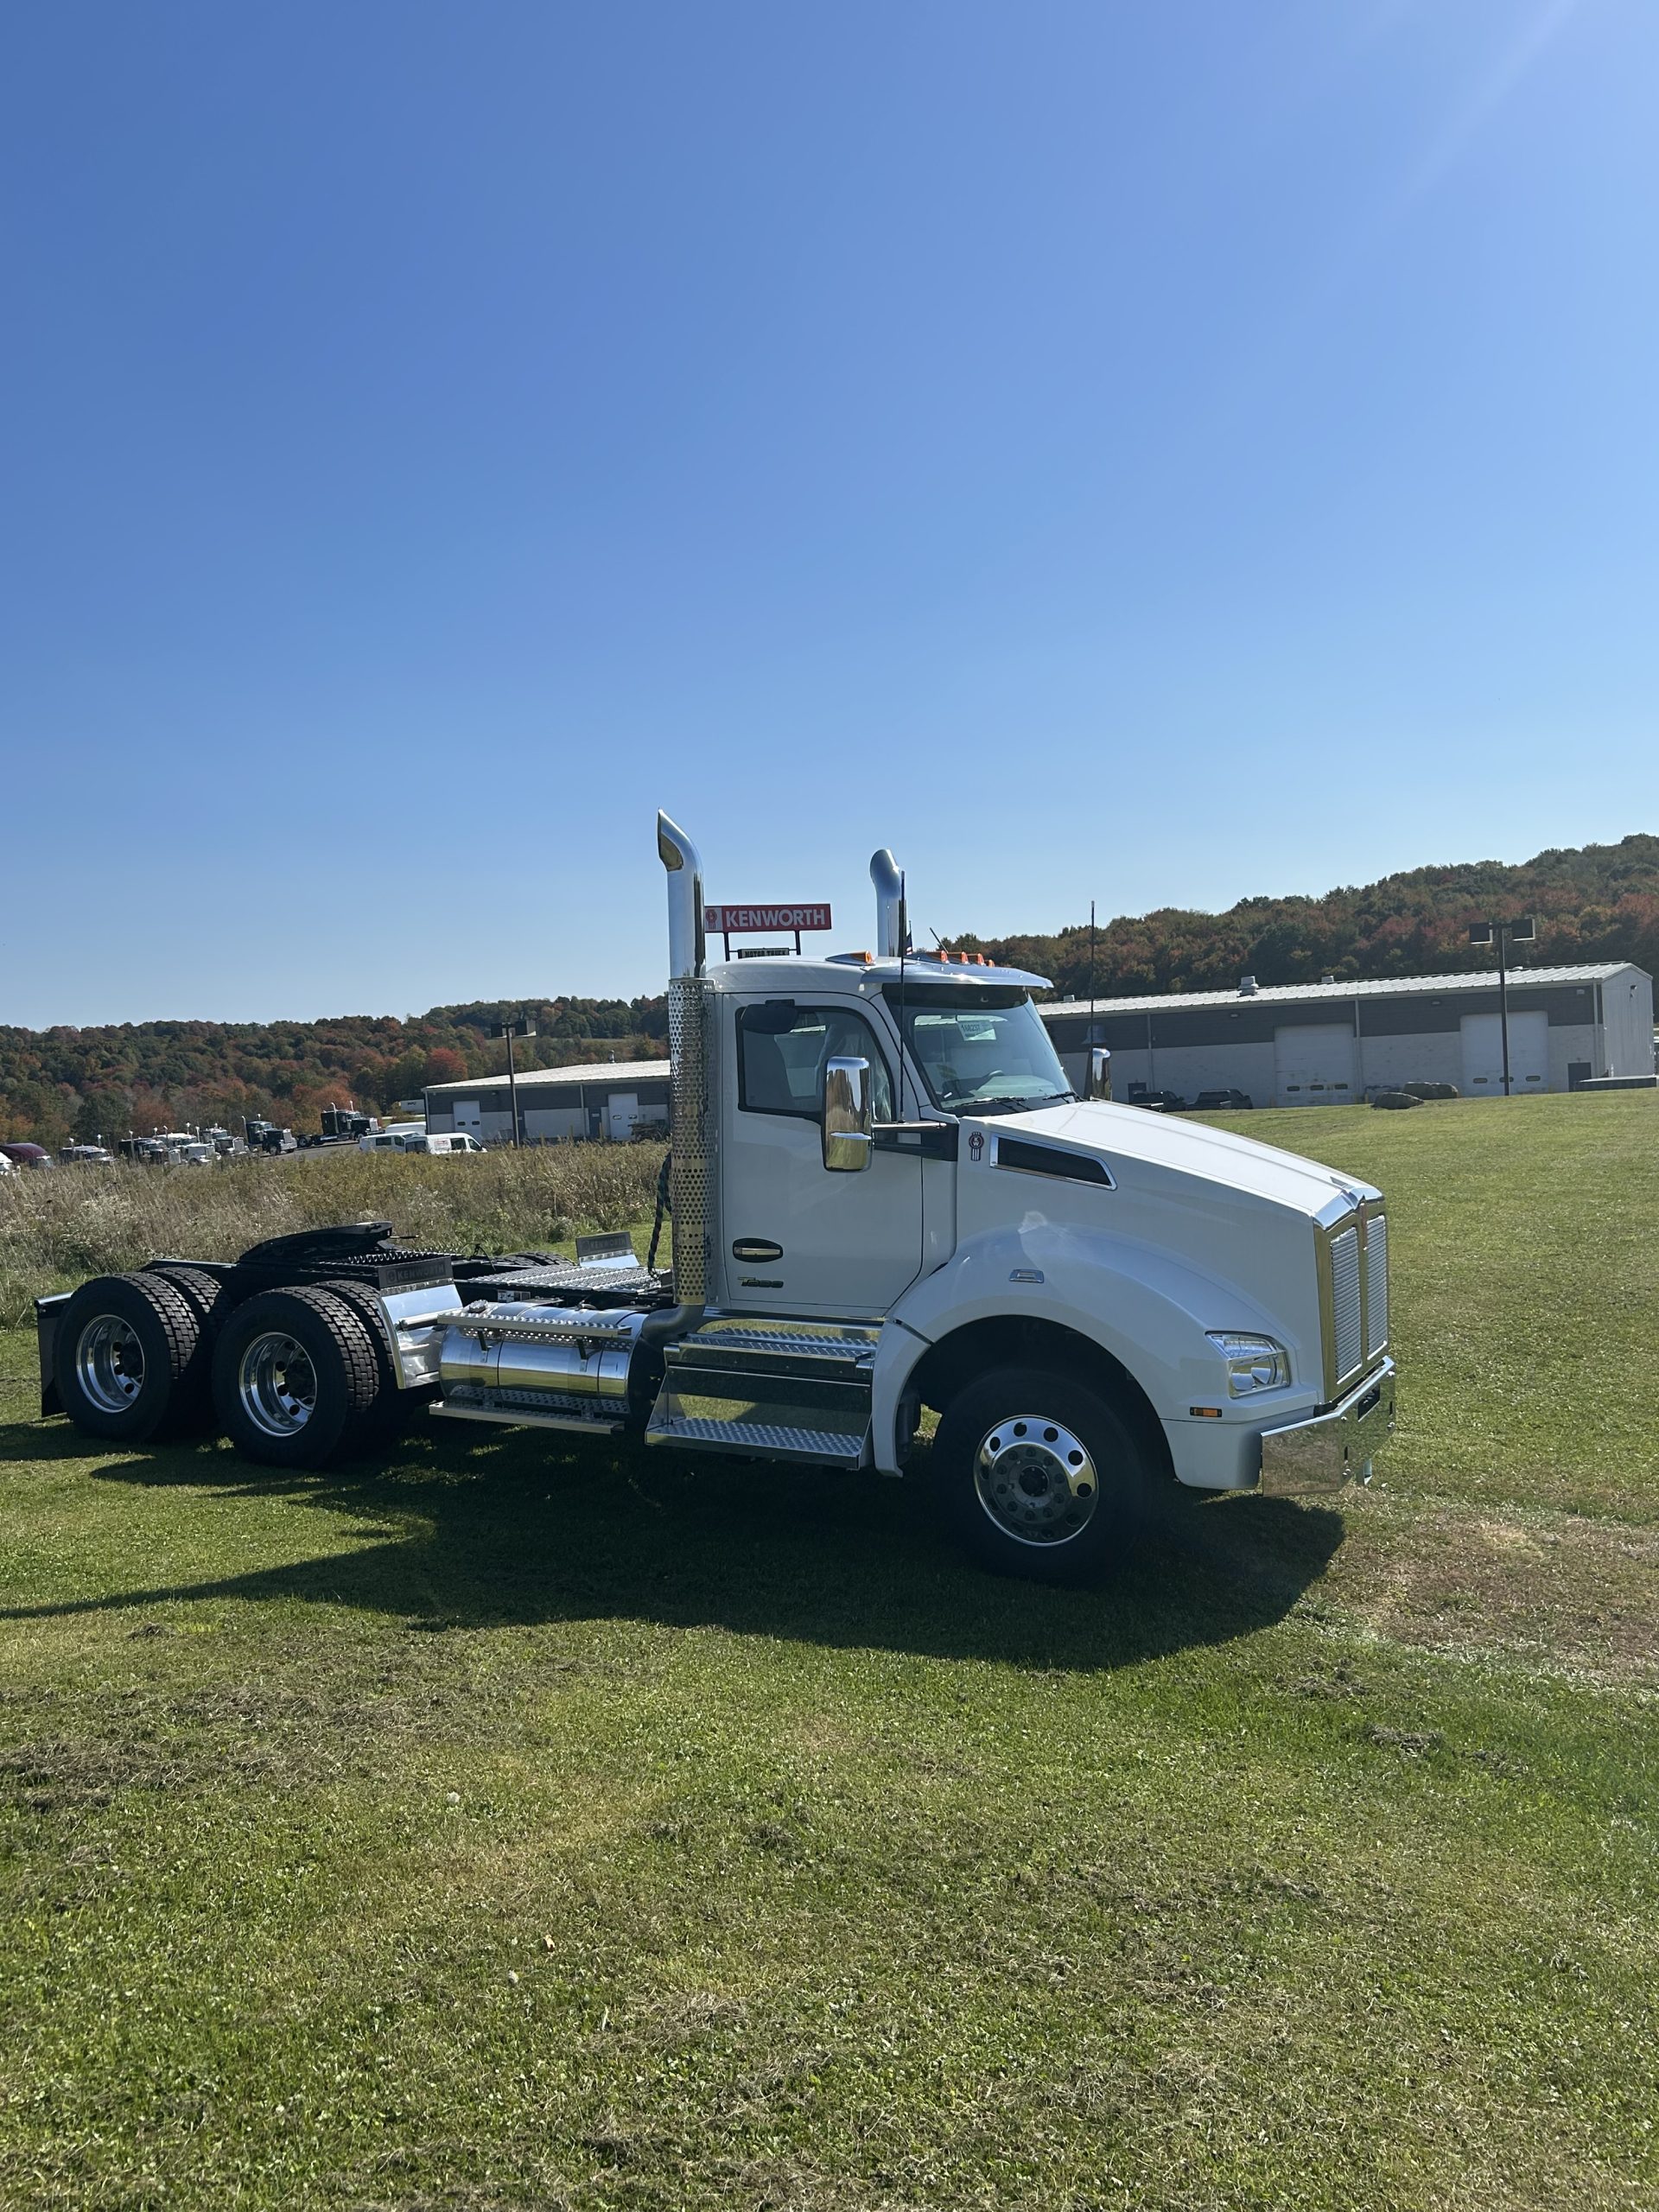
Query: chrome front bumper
{"type": "Point", "coordinates": [1331, 1448]}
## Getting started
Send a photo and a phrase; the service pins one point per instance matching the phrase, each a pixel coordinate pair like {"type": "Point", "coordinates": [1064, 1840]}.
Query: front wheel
{"type": "Point", "coordinates": [1040, 1475]}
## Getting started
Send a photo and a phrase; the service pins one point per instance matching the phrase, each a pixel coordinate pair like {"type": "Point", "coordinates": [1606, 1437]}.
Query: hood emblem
{"type": "Point", "coordinates": [975, 1146]}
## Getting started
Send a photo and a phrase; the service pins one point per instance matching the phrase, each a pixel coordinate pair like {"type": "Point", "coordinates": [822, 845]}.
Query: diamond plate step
{"type": "Point", "coordinates": [763, 1440]}
{"type": "Point", "coordinates": [807, 1349]}
{"type": "Point", "coordinates": [778, 1389]}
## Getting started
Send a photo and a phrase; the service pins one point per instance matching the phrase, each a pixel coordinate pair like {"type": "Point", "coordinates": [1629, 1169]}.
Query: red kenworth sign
{"type": "Point", "coordinates": [761, 921]}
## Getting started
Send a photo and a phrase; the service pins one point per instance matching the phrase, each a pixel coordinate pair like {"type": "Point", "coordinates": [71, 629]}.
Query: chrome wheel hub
{"type": "Point", "coordinates": [1036, 1479]}
{"type": "Point", "coordinates": [278, 1384]}
{"type": "Point", "coordinates": [110, 1363]}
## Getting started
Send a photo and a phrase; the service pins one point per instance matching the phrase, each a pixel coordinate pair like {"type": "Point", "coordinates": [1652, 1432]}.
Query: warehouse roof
{"type": "Point", "coordinates": [598, 1071]}
{"type": "Point", "coordinates": [1387, 987]}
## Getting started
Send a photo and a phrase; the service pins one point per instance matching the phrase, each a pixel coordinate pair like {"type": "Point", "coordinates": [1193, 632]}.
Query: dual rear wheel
{"type": "Point", "coordinates": [293, 1377]}
{"type": "Point", "coordinates": [296, 1380]}
{"type": "Point", "coordinates": [132, 1363]}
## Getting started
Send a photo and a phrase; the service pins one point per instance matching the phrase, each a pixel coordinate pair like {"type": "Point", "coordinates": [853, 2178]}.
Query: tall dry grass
{"type": "Point", "coordinates": [62, 1224]}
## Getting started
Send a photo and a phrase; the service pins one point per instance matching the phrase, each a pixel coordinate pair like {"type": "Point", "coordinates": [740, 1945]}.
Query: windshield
{"type": "Point", "coordinates": [980, 1053]}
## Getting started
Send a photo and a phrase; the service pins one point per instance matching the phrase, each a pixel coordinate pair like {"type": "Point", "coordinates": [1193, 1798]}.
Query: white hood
{"type": "Point", "coordinates": [1187, 1148]}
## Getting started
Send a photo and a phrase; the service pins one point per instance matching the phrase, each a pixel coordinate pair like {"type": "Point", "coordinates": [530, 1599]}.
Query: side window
{"type": "Point", "coordinates": [781, 1049]}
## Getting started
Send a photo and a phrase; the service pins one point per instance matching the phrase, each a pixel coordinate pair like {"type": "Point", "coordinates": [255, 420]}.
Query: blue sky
{"type": "Point", "coordinates": [1151, 454]}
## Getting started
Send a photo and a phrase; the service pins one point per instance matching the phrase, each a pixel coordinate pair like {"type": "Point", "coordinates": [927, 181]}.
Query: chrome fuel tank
{"type": "Point", "coordinates": [575, 1353]}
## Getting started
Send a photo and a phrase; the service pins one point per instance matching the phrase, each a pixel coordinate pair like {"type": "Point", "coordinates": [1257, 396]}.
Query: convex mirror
{"type": "Point", "coordinates": [848, 1114]}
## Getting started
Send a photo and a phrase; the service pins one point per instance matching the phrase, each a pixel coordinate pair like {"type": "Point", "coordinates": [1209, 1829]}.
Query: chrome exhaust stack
{"type": "Point", "coordinates": [889, 905]}
{"type": "Point", "coordinates": [686, 951]}
{"type": "Point", "coordinates": [690, 1175]}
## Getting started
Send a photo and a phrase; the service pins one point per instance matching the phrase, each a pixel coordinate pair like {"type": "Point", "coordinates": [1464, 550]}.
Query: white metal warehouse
{"type": "Point", "coordinates": [608, 1099]}
{"type": "Point", "coordinates": [1330, 1043]}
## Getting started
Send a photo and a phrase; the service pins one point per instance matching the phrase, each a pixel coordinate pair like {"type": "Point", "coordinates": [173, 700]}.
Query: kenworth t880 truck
{"type": "Point", "coordinates": [885, 1196]}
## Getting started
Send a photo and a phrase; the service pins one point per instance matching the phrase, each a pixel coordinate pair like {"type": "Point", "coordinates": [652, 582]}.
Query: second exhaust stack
{"type": "Point", "coordinates": [889, 905]}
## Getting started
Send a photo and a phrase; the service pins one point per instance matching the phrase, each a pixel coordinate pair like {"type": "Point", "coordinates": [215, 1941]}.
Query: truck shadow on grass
{"type": "Point", "coordinates": [514, 1529]}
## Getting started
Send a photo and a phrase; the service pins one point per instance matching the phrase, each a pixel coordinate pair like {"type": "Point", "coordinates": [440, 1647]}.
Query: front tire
{"type": "Point", "coordinates": [1040, 1475]}
{"type": "Point", "coordinates": [294, 1378]}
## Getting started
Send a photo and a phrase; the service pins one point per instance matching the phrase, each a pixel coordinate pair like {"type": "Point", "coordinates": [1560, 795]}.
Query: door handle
{"type": "Point", "coordinates": [756, 1249]}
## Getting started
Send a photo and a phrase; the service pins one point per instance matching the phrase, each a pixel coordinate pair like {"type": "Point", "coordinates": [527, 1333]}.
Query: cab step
{"type": "Point", "coordinates": [778, 1389]}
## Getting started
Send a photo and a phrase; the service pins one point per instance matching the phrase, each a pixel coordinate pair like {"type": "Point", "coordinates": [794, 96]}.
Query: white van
{"type": "Point", "coordinates": [460, 1142]}
{"type": "Point", "coordinates": [406, 1136]}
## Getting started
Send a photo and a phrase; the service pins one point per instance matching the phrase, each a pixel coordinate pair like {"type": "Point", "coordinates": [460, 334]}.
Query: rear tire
{"type": "Point", "coordinates": [204, 1294]}
{"type": "Point", "coordinates": [294, 1378]}
{"type": "Point", "coordinates": [212, 1304]}
{"type": "Point", "coordinates": [131, 1361]}
{"type": "Point", "coordinates": [1038, 1475]}
{"type": "Point", "coordinates": [390, 1414]}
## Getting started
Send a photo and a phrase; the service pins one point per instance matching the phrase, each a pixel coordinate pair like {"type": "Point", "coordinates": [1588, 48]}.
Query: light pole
{"type": "Point", "coordinates": [524, 1027]}
{"type": "Point", "coordinates": [1504, 934]}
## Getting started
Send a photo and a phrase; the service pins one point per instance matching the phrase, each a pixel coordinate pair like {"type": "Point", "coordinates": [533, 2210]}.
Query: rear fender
{"type": "Point", "coordinates": [47, 1313]}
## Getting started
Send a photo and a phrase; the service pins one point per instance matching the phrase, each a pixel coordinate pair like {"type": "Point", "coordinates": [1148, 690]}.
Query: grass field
{"type": "Point", "coordinates": [515, 1825]}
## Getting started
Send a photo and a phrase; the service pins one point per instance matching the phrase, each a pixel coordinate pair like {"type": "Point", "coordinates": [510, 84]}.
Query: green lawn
{"type": "Point", "coordinates": [519, 1826]}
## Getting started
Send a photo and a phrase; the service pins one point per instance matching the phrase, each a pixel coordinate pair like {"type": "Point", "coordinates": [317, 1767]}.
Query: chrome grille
{"type": "Point", "coordinates": [1377, 1285]}
{"type": "Point", "coordinates": [1344, 1301]}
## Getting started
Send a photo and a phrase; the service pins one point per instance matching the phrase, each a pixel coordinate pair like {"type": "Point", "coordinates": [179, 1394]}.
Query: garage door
{"type": "Point", "coordinates": [622, 1112]}
{"type": "Point", "coordinates": [1314, 1065]}
{"type": "Point", "coordinates": [1483, 1053]}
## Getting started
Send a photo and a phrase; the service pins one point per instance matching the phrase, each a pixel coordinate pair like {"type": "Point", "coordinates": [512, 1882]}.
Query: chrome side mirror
{"type": "Point", "coordinates": [848, 1114]}
{"type": "Point", "coordinates": [1100, 1073]}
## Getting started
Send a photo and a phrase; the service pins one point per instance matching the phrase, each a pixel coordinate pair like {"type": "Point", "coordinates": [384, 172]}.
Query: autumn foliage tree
{"type": "Point", "coordinates": [63, 1083]}
{"type": "Point", "coordinates": [1597, 902]}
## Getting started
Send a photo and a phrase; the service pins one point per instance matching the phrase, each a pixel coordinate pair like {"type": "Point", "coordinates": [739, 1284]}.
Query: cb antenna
{"type": "Point", "coordinates": [1089, 1074]}
{"type": "Point", "coordinates": [904, 948]}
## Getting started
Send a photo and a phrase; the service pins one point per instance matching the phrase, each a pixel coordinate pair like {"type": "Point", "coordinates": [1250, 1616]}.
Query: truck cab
{"type": "Point", "coordinates": [899, 1202]}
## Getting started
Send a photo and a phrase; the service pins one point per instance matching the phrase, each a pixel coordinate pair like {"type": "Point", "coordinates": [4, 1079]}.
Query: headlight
{"type": "Point", "coordinates": [1253, 1364]}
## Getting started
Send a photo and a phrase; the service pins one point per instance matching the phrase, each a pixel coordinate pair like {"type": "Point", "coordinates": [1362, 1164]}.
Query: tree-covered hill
{"type": "Point", "coordinates": [139, 1076]}
{"type": "Point", "coordinates": [1598, 902]}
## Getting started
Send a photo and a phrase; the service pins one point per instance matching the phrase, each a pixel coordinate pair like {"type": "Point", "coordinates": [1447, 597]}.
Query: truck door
{"type": "Point", "coordinates": [796, 1237]}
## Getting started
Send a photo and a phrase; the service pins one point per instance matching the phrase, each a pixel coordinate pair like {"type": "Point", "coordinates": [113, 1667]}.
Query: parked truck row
{"type": "Point", "coordinates": [342, 1128]}
{"type": "Point", "coordinates": [885, 1198]}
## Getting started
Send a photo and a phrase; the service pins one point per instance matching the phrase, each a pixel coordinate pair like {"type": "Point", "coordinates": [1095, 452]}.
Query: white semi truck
{"type": "Point", "coordinates": [885, 1198]}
